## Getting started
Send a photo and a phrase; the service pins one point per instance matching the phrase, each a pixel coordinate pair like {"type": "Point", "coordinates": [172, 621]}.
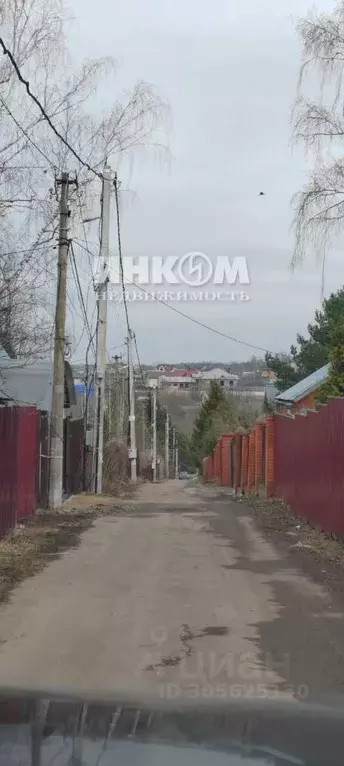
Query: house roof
{"type": "Point", "coordinates": [30, 383]}
{"type": "Point", "coordinates": [180, 374]}
{"type": "Point", "coordinates": [217, 373]}
{"type": "Point", "coordinates": [305, 386]}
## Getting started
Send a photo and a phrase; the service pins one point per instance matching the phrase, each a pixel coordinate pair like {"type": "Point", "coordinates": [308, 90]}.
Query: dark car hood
{"type": "Point", "coordinates": [60, 729]}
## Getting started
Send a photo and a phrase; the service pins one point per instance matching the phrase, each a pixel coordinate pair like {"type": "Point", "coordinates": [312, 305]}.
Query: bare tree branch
{"type": "Point", "coordinates": [31, 156]}
{"type": "Point", "coordinates": [319, 126]}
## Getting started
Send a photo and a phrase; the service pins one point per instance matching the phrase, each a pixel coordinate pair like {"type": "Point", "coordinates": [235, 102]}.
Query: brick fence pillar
{"type": "Point", "coordinates": [259, 469]}
{"type": "Point", "coordinates": [225, 459]}
{"type": "Point", "coordinates": [251, 461]}
{"type": "Point", "coordinates": [217, 461]}
{"type": "Point", "coordinates": [244, 462]}
{"type": "Point", "coordinates": [237, 477]}
{"type": "Point", "coordinates": [270, 455]}
{"type": "Point", "coordinates": [231, 447]}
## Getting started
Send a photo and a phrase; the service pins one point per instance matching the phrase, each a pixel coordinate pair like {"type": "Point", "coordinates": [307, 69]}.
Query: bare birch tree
{"type": "Point", "coordinates": [32, 156]}
{"type": "Point", "coordinates": [318, 123]}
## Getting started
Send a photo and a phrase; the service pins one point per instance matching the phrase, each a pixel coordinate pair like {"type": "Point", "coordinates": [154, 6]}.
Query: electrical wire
{"type": "Point", "coordinates": [85, 238]}
{"type": "Point", "coordinates": [139, 363]}
{"type": "Point", "coordinates": [195, 321]}
{"type": "Point", "coordinates": [28, 250]}
{"type": "Point", "coordinates": [80, 294]}
{"type": "Point", "coordinates": [25, 133]}
{"type": "Point", "coordinates": [34, 98]}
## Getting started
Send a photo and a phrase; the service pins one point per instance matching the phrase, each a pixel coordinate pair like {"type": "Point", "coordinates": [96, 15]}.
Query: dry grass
{"type": "Point", "coordinates": [46, 535]}
{"type": "Point", "coordinates": [34, 543]}
{"type": "Point", "coordinates": [321, 553]}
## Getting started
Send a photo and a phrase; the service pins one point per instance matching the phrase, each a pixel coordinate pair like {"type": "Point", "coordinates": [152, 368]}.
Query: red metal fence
{"type": "Point", "coordinates": [300, 459]}
{"type": "Point", "coordinates": [19, 446]}
{"type": "Point", "coordinates": [309, 464]}
{"type": "Point", "coordinates": [8, 453]}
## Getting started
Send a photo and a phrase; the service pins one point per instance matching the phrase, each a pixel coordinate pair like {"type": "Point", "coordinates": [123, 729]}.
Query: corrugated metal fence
{"type": "Point", "coordinates": [309, 464]}
{"type": "Point", "coordinates": [19, 447]}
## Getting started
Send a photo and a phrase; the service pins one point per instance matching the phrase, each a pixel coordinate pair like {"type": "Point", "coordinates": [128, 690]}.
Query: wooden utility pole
{"type": "Point", "coordinates": [122, 403]}
{"type": "Point", "coordinates": [57, 404]}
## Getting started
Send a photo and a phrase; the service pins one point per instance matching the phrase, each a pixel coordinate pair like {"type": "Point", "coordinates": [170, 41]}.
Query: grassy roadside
{"type": "Point", "coordinates": [319, 553]}
{"type": "Point", "coordinates": [44, 537]}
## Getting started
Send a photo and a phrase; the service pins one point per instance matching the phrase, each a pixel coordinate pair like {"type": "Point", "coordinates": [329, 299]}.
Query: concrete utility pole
{"type": "Point", "coordinates": [57, 404]}
{"type": "Point", "coordinates": [102, 328]}
{"type": "Point", "coordinates": [154, 434]}
{"type": "Point", "coordinates": [175, 459]}
{"type": "Point", "coordinates": [132, 418]}
{"type": "Point", "coordinates": [122, 403]}
{"type": "Point", "coordinates": [167, 446]}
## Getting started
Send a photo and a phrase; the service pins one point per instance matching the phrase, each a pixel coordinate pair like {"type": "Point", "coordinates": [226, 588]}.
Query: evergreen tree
{"type": "Point", "coordinates": [217, 414]}
{"type": "Point", "coordinates": [310, 353]}
{"type": "Point", "coordinates": [334, 385]}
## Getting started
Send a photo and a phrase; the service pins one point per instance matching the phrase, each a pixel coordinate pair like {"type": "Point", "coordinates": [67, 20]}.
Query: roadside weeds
{"type": "Point", "coordinates": [320, 553]}
{"type": "Point", "coordinates": [44, 537]}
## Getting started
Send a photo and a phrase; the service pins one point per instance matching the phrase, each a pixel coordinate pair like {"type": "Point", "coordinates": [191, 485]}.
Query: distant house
{"type": "Point", "coordinates": [220, 376]}
{"type": "Point", "coordinates": [154, 378]}
{"type": "Point", "coordinates": [179, 379]}
{"type": "Point", "coordinates": [268, 374]}
{"type": "Point", "coordinates": [302, 395]}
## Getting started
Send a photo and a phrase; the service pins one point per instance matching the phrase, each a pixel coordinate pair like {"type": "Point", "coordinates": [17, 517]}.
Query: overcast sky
{"type": "Point", "coordinates": [229, 71]}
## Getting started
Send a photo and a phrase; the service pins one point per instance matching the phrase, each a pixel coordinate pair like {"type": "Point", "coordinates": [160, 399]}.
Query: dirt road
{"type": "Point", "coordinates": [180, 593]}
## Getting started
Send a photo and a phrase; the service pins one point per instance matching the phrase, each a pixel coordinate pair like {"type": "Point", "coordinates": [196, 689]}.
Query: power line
{"type": "Point", "coordinates": [139, 363]}
{"type": "Point", "coordinates": [81, 297]}
{"type": "Point", "coordinates": [82, 334]}
{"type": "Point", "coordinates": [29, 249]}
{"type": "Point", "coordinates": [25, 133]}
{"type": "Point", "coordinates": [8, 53]}
{"type": "Point", "coordinates": [192, 319]}
{"type": "Point", "coordinates": [86, 241]}
{"type": "Point", "coordinates": [120, 249]}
